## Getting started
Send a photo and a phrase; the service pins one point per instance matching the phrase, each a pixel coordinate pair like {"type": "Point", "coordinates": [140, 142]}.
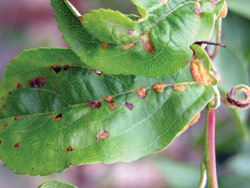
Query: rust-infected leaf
{"type": "Point", "coordinates": [4, 126]}
{"type": "Point", "coordinates": [112, 106]}
{"type": "Point", "coordinates": [192, 122]}
{"type": "Point", "coordinates": [142, 93]}
{"type": "Point", "coordinates": [58, 118]}
{"type": "Point", "coordinates": [129, 46]}
{"type": "Point", "coordinates": [17, 118]}
{"type": "Point", "coordinates": [109, 99]}
{"type": "Point", "coordinates": [159, 87]}
{"type": "Point", "coordinates": [69, 149]}
{"type": "Point", "coordinates": [129, 106]}
{"type": "Point", "coordinates": [95, 104]}
{"type": "Point", "coordinates": [105, 46]}
{"type": "Point", "coordinates": [56, 68]}
{"type": "Point", "coordinates": [37, 82]}
{"type": "Point", "coordinates": [199, 74]}
{"type": "Point", "coordinates": [148, 46]}
{"type": "Point", "coordinates": [17, 145]}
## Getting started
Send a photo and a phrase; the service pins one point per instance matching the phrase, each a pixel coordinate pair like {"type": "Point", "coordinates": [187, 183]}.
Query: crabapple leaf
{"type": "Point", "coordinates": [56, 112]}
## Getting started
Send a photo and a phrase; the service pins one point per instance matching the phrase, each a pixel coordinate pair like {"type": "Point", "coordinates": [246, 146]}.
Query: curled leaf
{"type": "Point", "coordinates": [238, 103]}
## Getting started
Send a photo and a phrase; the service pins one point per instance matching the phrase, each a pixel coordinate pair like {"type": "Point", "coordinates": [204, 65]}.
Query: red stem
{"type": "Point", "coordinates": [211, 160]}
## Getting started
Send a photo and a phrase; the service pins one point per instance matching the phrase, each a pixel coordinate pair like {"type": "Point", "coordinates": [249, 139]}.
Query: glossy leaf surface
{"type": "Point", "coordinates": [55, 113]}
{"type": "Point", "coordinates": [159, 41]}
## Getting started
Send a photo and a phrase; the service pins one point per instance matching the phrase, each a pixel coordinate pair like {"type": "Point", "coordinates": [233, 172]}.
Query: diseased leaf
{"type": "Point", "coordinates": [56, 112]}
{"type": "Point", "coordinates": [56, 184]}
{"type": "Point", "coordinates": [156, 45]}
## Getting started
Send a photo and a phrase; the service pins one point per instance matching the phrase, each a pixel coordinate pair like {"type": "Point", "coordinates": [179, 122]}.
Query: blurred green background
{"type": "Point", "coordinates": [31, 24]}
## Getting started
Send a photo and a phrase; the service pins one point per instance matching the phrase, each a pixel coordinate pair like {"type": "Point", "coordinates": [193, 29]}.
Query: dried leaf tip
{"type": "Point", "coordinates": [159, 87]}
{"type": "Point", "coordinates": [238, 103]}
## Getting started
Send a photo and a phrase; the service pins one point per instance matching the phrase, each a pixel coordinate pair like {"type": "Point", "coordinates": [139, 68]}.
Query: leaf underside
{"type": "Point", "coordinates": [161, 37]}
{"type": "Point", "coordinates": [53, 113]}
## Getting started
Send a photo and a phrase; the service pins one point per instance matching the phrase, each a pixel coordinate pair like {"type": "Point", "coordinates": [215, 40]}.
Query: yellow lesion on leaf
{"type": "Point", "coordinates": [159, 87]}
{"type": "Point", "coordinates": [129, 46]}
{"type": "Point", "coordinates": [224, 11]}
{"type": "Point", "coordinates": [148, 46]}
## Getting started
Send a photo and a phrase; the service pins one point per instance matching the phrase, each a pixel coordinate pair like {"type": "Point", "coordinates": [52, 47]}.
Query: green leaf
{"type": "Point", "coordinates": [240, 7]}
{"type": "Point", "coordinates": [56, 184]}
{"type": "Point", "coordinates": [54, 114]}
{"type": "Point", "coordinates": [166, 33]}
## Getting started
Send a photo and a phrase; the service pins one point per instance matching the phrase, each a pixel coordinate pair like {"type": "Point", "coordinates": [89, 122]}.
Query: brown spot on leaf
{"type": "Point", "coordinates": [66, 67]}
{"type": "Point", "coordinates": [0, 142]}
{"type": "Point", "coordinates": [103, 135]}
{"type": "Point", "coordinates": [112, 106]}
{"type": "Point", "coordinates": [17, 118]}
{"type": "Point", "coordinates": [164, 2]}
{"type": "Point", "coordinates": [197, 12]}
{"type": "Point", "coordinates": [81, 19]}
{"type": "Point", "coordinates": [223, 13]}
{"type": "Point", "coordinates": [148, 46]}
{"type": "Point", "coordinates": [176, 88]}
{"type": "Point", "coordinates": [130, 32]}
{"type": "Point", "coordinates": [142, 93]}
{"type": "Point", "coordinates": [95, 104]}
{"type": "Point", "coordinates": [32, 169]}
{"type": "Point", "coordinates": [37, 82]}
{"type": "Point", "coordinates": [129, 106]}
{"type": "Point", "coordinates": [98, 73]}
{"type": "Point", "coordinates": [4, 126]}
{"type": "Point", "coordinates": [17, 145]}
{"type": "Point", "coordinates": [183, 88]}
{"type": "Point", "coordinates": [109, 99]}
{"type": "Point", "coordinates": [56, 68]}
{"type": "Point", "coordinates": [105, 46]}
{"type": "Point", "coordinates": [129, 46]}
{"type": "Point", "coordinates": [192, 122]}
{"type": "Point", "coordinates": [2, 98]}
{"type": "Point", "coordinates": [58, 118]}
{"type": "Point", "coordinates": [199, 74]}
{"type": "Point", "coordinates": [10, 93]}
{"type": "Point", "coordinates": [4, 107]}
{"type": "Point", "coordinates": [70, 149]}
{"type": "Point", "coordinates": [19, 86]}
{"type": "Point", "coordinates": [159, 87]}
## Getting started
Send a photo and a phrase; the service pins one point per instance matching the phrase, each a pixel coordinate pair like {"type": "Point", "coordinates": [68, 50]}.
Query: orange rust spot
{"type": "Point", "coordinates": [148, 46]}
{"type": "Point", "coordinates": [4, 126]}
{"type": "Point", "coordinates": [4, 107]}
{"type": "Point", "coordinates": [142, 93]}
{"type": "Point", "coordinates": [176, 88]}
{"type": "Point", "coordinates": [192, 122]}
{"type": "Point", "coordinates": [112, 106]}
{"type": "Point", "coordinates": [129, 46]}
{"type": "Point", "coordinates": [58, 118]}
{"type": "Point", "coordinates": [159, 87]}
{"type": "Point", "coordinates": [105, 46]}
{"type": "Point", "coordinates": [17, 118]}
{"type": "Point", "coordinates": [82, 19]}
{"type": "Point", "coordinates": [183, 88]}
{"type": "Point", "coordinates": [164, 2]}
{"type": "Point", "coordinates": [199, 74]}
{"type": "Point", "coordinates": [70, 149]}
{"type": "Point", "coordinates": [2, 98]}
{"type": "Point", "coordinates": [223, 13]}
{"type": "Point", "coordinates": [17, 145]}
{"type": "Point", "coordinates": [109, 99]}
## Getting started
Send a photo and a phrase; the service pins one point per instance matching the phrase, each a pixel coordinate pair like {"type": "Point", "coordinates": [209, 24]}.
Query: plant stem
{"type": "Point", "coordinates": [210, 159]}
{"type": "Point", "coordinates": [218, 24]}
